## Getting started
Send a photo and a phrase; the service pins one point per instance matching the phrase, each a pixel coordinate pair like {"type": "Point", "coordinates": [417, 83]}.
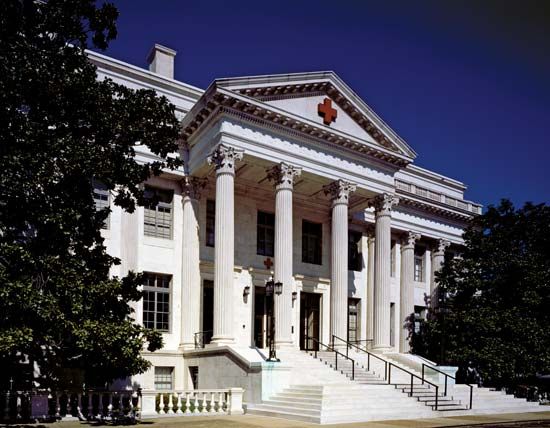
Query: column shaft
{"type": "Point", "coordinates": [370, 291]}
{"type": "Point", "coordinates": [382, 256]}
{"type": "Point", "coordinates": [407, 289]}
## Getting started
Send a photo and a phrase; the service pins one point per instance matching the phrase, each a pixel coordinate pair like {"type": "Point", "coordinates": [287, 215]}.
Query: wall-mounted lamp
{"type": "Point", "coordinates": [294, 295]}
{"type": "Point", "coordinates": [246, 290]}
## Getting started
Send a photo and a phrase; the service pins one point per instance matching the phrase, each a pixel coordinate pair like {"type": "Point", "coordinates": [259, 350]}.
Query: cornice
{"type": "Point", "coordinates": [217, 101]}
{"type": "Point", "coordinates": [405, 199]}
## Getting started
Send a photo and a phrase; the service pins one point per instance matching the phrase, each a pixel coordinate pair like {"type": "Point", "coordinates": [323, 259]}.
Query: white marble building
{"type": "Point", "coordinates": [291, 176]}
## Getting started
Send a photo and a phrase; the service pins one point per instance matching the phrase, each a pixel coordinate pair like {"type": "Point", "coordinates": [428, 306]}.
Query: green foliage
{"type": "Point", "coordinates": [498, 297]}
{"type": "Point", "coordinates": [61, 128]}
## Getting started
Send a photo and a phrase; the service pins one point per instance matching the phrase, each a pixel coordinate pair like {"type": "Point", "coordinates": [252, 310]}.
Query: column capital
{"type": "Point", "coordinates": [192, 186]}
{"type": "Point", "coordinates": [409, 239]}
{"type": "Point", "coordinates": [383, 203]}
{"type": "Point", "coordinates": [339, 191]}
{"type": "Point", "coordinates": [283, 175]}
{"type": "Point", "coordinates": [440, 246]}
{"type": "Point", "coordinates": [224, 157]}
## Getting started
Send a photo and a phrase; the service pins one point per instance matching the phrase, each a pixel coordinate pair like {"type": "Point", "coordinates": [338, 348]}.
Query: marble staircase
{"type": "Point", "coordinates": [320, 393]}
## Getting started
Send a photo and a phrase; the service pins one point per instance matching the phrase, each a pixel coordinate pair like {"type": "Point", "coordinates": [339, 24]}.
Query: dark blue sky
{"type": "Point", "coordinates": [465, 83]}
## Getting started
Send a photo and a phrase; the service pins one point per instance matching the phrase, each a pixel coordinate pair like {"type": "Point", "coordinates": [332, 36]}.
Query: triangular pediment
{"type": "Point", "coordinates": [301, 95]}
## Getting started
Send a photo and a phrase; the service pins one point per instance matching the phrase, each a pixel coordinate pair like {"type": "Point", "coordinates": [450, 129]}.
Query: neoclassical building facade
{"type": "Point", "coordinates": [291, 177]}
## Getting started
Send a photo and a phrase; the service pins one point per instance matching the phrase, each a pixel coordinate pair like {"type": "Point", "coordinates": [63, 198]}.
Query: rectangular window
{"type": "Point", "coordinates": [392, 259]}
{"type": "Point", "coordinates": [156, 301]}
{"type": "Point", "coordinates": [210, 222]}
{"type": "Point", "coordinates": [194, 374]}
{"type": "Point", "coordinates": [102, 199]}
{"type": "Point", "coordinates": [353, 320]}
{"type": "Point", "coordinates": [158, 213]}
{"type": "Point", "coordinates": [164, 378]}
{"type": "Point", "coordinates": [419, 253]}
{"type": "Point", "coordinates": [312, 241]}
{"type": "Point", "coordinates": [266, 234]}
{"type": "Point", "coordinates": [355, 259]}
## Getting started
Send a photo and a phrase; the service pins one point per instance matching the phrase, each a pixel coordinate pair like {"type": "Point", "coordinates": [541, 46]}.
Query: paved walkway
{"type": "Point", "coordinates": [512, 420]}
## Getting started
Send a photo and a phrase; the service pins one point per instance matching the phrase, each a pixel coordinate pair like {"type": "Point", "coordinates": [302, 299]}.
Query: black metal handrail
{"type": "Point", "coordinates": [369, 354]}
{"type": "Point", "coordinates": [446, 377]}
{"type": "Point", "coordinates": [201, 337]}
{"type": "Point", "coordinates": [412, 375]}
{"type": "Point", "coordinates": [336, 353]}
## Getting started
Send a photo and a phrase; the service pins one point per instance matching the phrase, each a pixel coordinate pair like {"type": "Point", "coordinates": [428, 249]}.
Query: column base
{"type": "Point", "coordinates": [186, 346]}
{"type": "Point", "coordinates": [220, 341]}
{"type": "Point", "coordinates": [283, 344]}
{"type": "Point", "coordinates": [382, 349]}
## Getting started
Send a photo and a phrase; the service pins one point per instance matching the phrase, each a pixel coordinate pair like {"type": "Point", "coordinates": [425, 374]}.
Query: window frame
{"type": "Point", "coordinates": [210, 227]}
{"type": "Point", "coordinates": [162, 381]}
{"type": "Point", "coordinates": [156, 291]}
{"type": "Point", "coordinates": [162, 205]}
{"type": "Point", "coordinates": [99, 191]}
{"type": "Point", "coordinates": [312, 238]}
{"type": "Point", "coordinates": [419, 260]}
{"type": "Point", "coordinates": [263, 248]}
{"type": "Point", "coordinates": [393, 257]}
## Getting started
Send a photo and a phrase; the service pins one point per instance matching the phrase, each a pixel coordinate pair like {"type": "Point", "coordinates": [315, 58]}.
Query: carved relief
{"type": "Point", "coordinates": [283, 174]}
{"type": "Point", "coordinates": [192, 186]}
{"type": "Point", "coordinates": [224, 157]}
{"type": "Point", "coordinates": [383, 203]}
{"type": "Point", "coordinates": [339, 191]}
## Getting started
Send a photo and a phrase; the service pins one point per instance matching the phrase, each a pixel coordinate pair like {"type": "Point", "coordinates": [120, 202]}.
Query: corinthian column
{"type": "Point", "coordinates": [283, 177]}
{"type": "Point", "coordinates": [190, 273]}
{"type": "Point", "coordinates": [224, 158]}
{"type": "Point", "coordinates": [438, 257]}
{"type": "Point", "coordinates": [407, 288]}
{"type": "Point", "coordinates": [339, 192]}
{"type": "Point", "coordinates": [382, 247]}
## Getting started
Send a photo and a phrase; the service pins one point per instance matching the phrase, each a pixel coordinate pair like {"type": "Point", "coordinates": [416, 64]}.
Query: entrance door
{"type": "Point", "coordinates": [207, 310]}
{"type": "Point", "coordinates": [353, 321]}
{"type": "Point", "coordinates": [260, 325]}
{"type": "Point", "coordinates": [309, 320]}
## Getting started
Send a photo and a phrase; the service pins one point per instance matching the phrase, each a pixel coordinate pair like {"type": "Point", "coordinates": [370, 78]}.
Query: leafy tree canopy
{"type": "Point", "coordinates": [61, 128]}
{"type": "Point", "coordinates": [497, 309]}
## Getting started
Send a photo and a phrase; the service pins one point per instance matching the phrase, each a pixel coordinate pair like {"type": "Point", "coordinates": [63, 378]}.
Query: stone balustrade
{"type": "Point", "coordinates": [118, 405]}
{"type": "Point", "coordinates": [195, 401]}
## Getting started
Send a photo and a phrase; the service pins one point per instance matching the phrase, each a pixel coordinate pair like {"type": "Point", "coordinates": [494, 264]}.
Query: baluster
{"type": "Point", "coordinates": [196, 402]}
{"type": "Point", "coordinates": [110, 405]}
{"type": "Point", "coordinates": [7, 406]}
{"type": "Point", "coordinates": [211, 408]}
{"type": "Point", "coordinates": [178, 403]}
{"type": "Point", "coordinates": [161, 404]}
{"type": "Point", "coordinates": [90, 405]}
{"type": "Point", "coordinates": [203, 409]}
{"type": "Point", "coordinates": [222, 402]}
{"type": "Point", "coordinates": [187, 403]}
{"type": "Point", "coordinates": [100, 406]}
{"type": "Point", "coordinates": [170, 403]}
{"type": "Point", "coordinates": [18, 406]}
{"type": "Point", "coordinates": [79, 405]}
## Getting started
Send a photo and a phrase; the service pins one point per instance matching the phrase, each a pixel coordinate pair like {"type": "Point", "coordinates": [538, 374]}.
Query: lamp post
{"type": "Point", "coordinates": [272, 288]}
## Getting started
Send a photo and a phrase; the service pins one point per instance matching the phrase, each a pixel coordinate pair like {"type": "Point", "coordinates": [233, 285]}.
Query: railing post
{"type": "Point", "coordinates": [368, 362]}
{"type": "Point", "coordinates": [352, 370]}
{"type": "Point", "coordinates": [336, 355]}
{"type": "Point", "coordinates": [148, 403]}
{"type": "Point", "coordinates": [423, 365]}
{"type": "Point", "coordinates": [436, 396]}
{"type": "Point", "coordinates": [235, 404]}
{"type": "Point", "coordinates": [471, 395]}
{"type": "Point", "coordinates": [445, 386]}
{"type": "Point", "coordinates": [389, 374]}
{"type": "Point", "coordinates": [411, 393]}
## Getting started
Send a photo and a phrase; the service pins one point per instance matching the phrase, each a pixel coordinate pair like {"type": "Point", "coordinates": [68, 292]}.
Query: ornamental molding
{"type": "Point", "coordinates": [192, 186]}
{"type": "Point", "coordinates": [383, 203]}
{"type": "Point", "coordinates": [437, 209]}
{"type": "Point", "coordinates": [440, 247]}
{"type": "Point", "coordinates": [409, 239]}
{"type": "Point", "coordinates": [339, 191]}
{"type": "Point", "coordinates": [224, 157]}
{"type": "Point", "coordinates": [283, 174]}
{"type": "Point", "coordinates": [219, 101]}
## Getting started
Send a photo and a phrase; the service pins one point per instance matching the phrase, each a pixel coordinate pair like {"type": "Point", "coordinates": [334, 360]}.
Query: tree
{"type": "Point", "coordinates": [496, 312]}
{"type": "Point", "coordinates": [61, 129]}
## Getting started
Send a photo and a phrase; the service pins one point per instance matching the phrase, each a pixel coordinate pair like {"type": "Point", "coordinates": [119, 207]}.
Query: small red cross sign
{"type": "Point", "coordinates": [268, 263]}
{"type": "Point", "coordinates": [326, 111]}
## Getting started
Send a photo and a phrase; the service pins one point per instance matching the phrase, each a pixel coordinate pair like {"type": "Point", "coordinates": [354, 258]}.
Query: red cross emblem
{"type": "Point", "coordinates": [268, 263]}
{"type": "Point", "coordinates": [327, 112]}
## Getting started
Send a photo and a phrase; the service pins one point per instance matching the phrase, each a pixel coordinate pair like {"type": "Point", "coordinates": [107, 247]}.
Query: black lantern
{"type": "Point", "coordinates": [272, 288]}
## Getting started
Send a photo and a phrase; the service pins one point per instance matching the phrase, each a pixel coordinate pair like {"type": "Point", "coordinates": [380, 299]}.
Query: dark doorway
{"type": "Point", "coordinates": [207, 310]}
{"type": "Point", "coordinates": [260, 322]}
{"type": "Point", "coordinates": [310, 304]}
